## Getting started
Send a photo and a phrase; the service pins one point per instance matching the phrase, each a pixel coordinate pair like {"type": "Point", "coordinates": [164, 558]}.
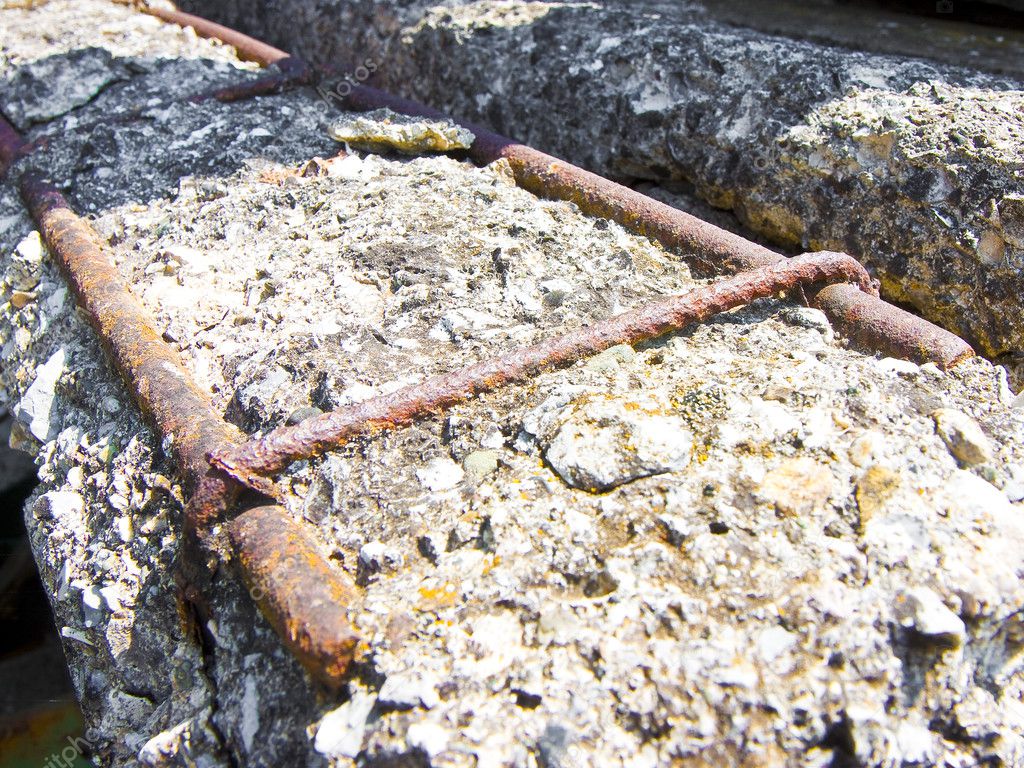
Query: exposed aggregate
{"type": "Point", "coordinates": [744, 544]}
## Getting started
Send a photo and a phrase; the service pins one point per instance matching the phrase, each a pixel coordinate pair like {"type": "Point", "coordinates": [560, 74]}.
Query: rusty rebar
{"type": "Point", "coordinates": [284, 570]}
{"type": "Point", "coordinates": [877, 326]}
{"type": "Point", "coordinates": [249, 48]}
{"type": "Point", "coordinates": [183, 416]}
{"type": "Point", "coordinates": [275, 451]}
{"type": "Point", "coordinates": [152, 370]}
{"type": "Point", "coordinates": [293, 71]}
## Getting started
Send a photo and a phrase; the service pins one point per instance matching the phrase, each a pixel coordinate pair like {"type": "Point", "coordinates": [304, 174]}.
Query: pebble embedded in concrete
{"type": "Point", "coordinates": [963, 437]}
{"type": "Point", "coordinates": [602, 443]}
{"type": "Point", "coordinates": [797, 486]}
{"type": "Point", "coordinates": [923, 610]}
{"type": "Point", "coordinates": [36, 408]}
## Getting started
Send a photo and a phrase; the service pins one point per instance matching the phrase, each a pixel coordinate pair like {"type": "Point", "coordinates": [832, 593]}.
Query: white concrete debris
{"type": "Point", "coordinates": [428, 736]}
{"type": "Point", "coordinates": [410, 135]}
{"type": "Point", "coordinates": [440, 474]}
{"type": "Point", "coordinates": [604, 442]}
{"type": "Point", "coordinates": [340, 733]}
{"type": "Point", "coordinates": [409, 689]}
{"type": "Point", "coordinates": [66, 507]}
{"type": "Point", "coordinates": [35, 409]}
{"type": "Point", "coordinates": [94, 605]}
{"type": "Point", "coordinates": [923, 610]}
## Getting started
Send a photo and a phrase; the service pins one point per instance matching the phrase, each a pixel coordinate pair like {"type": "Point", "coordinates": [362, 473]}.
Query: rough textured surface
{"type": "Point", "coordinates": [787, 564]}
{"type": "Point", "coordinates": [914, 166]}
{"type": "Point", "coordinates": [383, 129]}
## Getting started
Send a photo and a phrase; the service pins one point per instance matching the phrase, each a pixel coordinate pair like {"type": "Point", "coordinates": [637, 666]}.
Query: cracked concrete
{"type": "Point", "coordinates": [779, 551]}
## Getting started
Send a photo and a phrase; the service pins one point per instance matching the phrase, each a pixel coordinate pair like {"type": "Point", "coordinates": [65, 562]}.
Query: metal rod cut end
{"type": "Point", "coordinates": [300, 593]}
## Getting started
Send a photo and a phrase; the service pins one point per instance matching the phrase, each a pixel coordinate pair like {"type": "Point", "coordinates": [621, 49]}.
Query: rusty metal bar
{"type": "Point", "coordinates": [181, 413]}
{"type": "Point", "coordinates": [152, 369]}
{"type": "Point", "coordinates": [285, 571]}
{"type": "Point", "coordinates": [872, 324]}
{"type": "Point", "coordinates": [293, 71]}
{"type": "Point", "coordinates": [248, 48]}
{"type": "Point", "coordinates": [300, 593]}
{"type": "Point", "coordinates": [275, 451]}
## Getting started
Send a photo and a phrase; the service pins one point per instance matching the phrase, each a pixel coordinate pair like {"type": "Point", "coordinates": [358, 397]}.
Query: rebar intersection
{"type": "Point", "coordinates": [304, 597]}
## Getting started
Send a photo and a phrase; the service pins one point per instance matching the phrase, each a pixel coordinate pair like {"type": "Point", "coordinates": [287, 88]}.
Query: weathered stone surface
{"type": "Point", "coordinates": [383, 129]}
{"type": "Point", "coordinates": [45, 89]}
{"type": "Point", "coordinates": [913, 166]}
{"type": "Point", "coordinates": [596, 443]}
{"type": "Point", "coordinates": [508, 617]}
{"type": "Point", "coordinates": [963, 436]}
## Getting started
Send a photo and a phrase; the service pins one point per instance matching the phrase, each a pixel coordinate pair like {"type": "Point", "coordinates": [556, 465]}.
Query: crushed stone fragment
{"type": "Point", "coordinates": [384, 129]}
{"type": "Point", "coordinates": [963, 437]}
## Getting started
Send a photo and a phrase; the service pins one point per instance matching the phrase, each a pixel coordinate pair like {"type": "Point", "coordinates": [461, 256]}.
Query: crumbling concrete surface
{"type": "Point", "coordinates": [743, 544]}
{"type": "Point", "coordinates": [913, 165]}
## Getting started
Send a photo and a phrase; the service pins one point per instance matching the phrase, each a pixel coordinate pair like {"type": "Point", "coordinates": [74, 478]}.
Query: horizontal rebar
{"type": "Point", "coordinates": [871, 322]}
{"type": "Point", "coordinates": [249, 48]}
{"type": "Point", "coordinates": [275, 451]}
{"type": "Point", "coordinates": [293, 71]}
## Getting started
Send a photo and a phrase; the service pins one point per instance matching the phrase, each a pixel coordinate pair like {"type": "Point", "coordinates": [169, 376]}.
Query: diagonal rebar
{"type": "Point", "coordinates": [274, 452]}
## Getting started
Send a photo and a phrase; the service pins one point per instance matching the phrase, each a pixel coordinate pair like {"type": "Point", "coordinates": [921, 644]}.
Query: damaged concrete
{"type": "Point", "coordinates": [744, 544]}
{"type": "Point", "coordinates": [911, 164]}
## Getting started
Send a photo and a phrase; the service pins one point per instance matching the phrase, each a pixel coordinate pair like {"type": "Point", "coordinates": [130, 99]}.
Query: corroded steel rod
{"type": "Point", "coordinates": [316, 631]}
{"type": "Point", "coordinates": [280, 560]}
{"type": "Point", "coordinates": [152, 370]}
{"type": "Point", "coordinates": [274, 452]}
{"type": "Point", "coordinates": [875, 325]}
{"type": "Point", "coordinates": [293, 71]}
